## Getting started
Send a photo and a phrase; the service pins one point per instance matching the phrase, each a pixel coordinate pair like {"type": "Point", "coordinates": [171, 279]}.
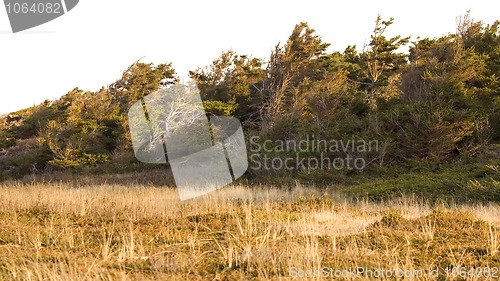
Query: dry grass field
{"type": "Point", "coordinates": [117, 232]}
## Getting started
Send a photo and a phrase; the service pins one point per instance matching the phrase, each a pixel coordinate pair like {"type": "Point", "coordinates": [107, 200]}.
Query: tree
{"type": "Point", "coordinates": [227, 86]}
{"type": "Point", "coordinates": [445, 104]}
{"type": "Point", "coordinates": [380, 63]}
{"type": "Point", "coordinates": [484, 39]}
{"type": "Point", "coordinates": [290, 71]}
{"type": "Point", "coordinates": [137, 81]}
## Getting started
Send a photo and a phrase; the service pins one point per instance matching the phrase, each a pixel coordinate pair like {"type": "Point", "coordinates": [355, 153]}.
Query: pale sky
{"type": "Point", "coordinates": [94, 43]}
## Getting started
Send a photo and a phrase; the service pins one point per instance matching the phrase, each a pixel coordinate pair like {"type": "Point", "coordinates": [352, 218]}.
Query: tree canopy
{"type": "Point", "coordinates": [439, 99]}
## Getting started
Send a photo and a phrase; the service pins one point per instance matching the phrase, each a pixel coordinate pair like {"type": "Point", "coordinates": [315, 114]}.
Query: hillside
{"type": "Point", "coordinates": [431, 114]}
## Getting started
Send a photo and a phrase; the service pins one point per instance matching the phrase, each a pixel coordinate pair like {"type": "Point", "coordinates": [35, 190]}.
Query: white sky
{"type": "Point", "coordinates": [94, 43]}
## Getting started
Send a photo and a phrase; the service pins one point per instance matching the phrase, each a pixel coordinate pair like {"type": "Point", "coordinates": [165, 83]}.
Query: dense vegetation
{"type": "Point", "coordinates": [433, 109]}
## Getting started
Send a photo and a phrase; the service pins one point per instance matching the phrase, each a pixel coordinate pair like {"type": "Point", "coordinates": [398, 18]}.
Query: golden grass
{"type": "Point", "coordinates": [113, 232]}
